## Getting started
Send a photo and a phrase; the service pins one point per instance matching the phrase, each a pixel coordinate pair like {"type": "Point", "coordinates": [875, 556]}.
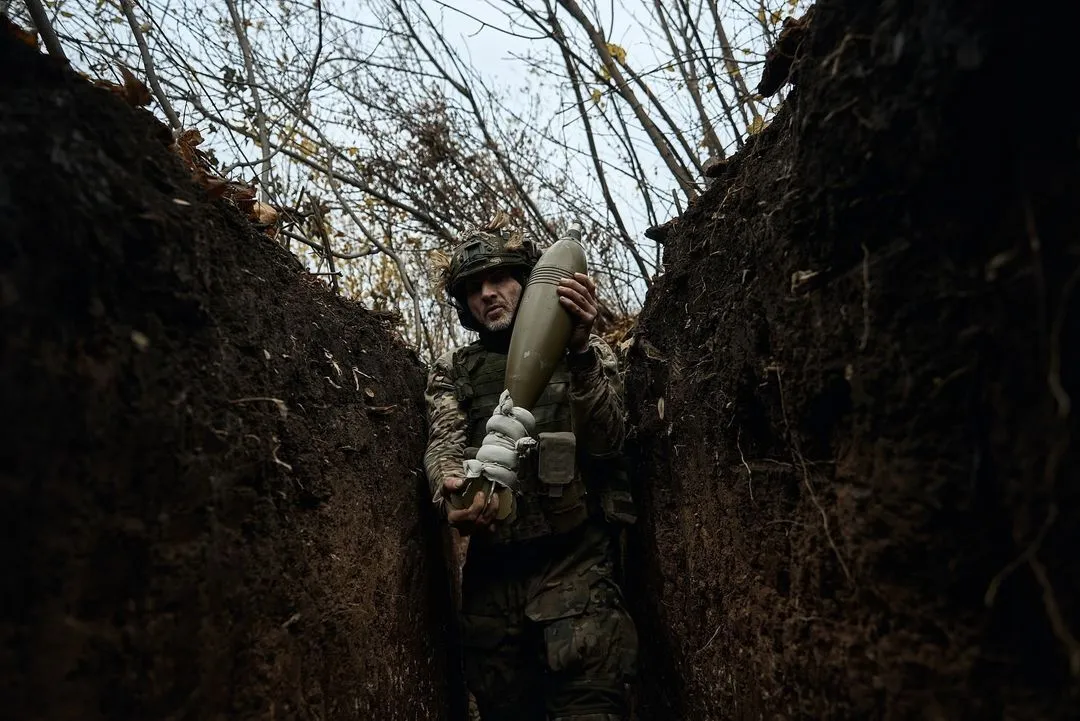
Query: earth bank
{"type": "Point", "coordinates": [210, 485]}
{"type": "Point", "coordinates": [860, 489]}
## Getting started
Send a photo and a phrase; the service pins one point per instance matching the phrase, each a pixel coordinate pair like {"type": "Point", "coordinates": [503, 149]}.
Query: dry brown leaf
{"type": "Point", "coordinates": [134, 90]}
{"type": "Point", "coordinates": [28, 37]}
{"type": "Point", "coordinates": [215, 187]}
{"type": "Point", "coordinates": [191, 137]}
{"type": "Point", "coordinates": [264, 213]}
{"type": "Point", "coordinates": [242, 195]}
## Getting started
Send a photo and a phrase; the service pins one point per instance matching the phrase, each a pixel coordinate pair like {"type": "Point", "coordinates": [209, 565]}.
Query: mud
{"type": "Point", "coordinates": [850, 389]}
{"type": "Point", "coordinates": [210, 487]}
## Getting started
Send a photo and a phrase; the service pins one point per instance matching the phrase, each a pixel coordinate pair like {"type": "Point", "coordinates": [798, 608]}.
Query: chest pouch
{"type": "Point", "coordinates": [556, 463]}
{"type": "Point", "coordinates": [562, 492]}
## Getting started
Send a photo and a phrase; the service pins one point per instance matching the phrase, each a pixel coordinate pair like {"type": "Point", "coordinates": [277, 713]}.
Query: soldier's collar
{"type": "Point", "coordinates": [497, 341]}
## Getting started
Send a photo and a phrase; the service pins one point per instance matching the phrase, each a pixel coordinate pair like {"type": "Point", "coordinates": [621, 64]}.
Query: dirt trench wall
{"type": "Point", "coordinates": [210, 492]}
{"type": "Point", "coordinates": [854, 389]}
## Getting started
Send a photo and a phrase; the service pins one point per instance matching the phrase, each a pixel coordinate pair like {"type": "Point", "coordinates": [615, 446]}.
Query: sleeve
{"type": "Point", "coordinates": [446, 425]}
{"type": "Point", "coordinates": [596, 399]}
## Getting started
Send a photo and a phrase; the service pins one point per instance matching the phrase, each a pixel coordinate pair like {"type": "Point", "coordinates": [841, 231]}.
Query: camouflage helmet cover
{"type": "Point", "coordinates": [482, 249]}
{"type": "Point", "coordinates": [486, 247]}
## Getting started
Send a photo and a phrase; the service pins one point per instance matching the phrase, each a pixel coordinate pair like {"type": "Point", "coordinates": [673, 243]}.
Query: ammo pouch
{"type": "Point", "coordinates": [613, 498]}
{"type": "Point", "coordinates": [560, 487]}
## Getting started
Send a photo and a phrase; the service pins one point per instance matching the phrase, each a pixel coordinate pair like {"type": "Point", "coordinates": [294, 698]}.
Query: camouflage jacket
{"type": "Point", "coordinates": [596, 409]}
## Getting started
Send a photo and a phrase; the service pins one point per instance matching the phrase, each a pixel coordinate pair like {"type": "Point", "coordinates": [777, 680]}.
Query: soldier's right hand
{"type": "Point", "coordinates": [479, 516]}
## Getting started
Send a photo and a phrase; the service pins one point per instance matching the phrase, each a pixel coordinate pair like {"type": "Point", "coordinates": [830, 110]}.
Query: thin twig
{"type": "Point", "coordinates": [148, 65]}
{"type": "Point", "coordinates": [260, 117]}
{"type": "Point", "coordinates": [478, 115]}
{"type": "Point", "coordinates": [384, 247]}
{"type": "Point", "coordinates": [332, 175]}
{"type": "Point", "coordinates": [749, 473]}
{"type": "Point", "coordinates": [1057, 621]}
{"type": "Point", "coordinates": [282, 408]}
{"type": "Point", "coordinates": [601, 176]}
{"type": "Point", "coordinates": [1025, 557]}
{"type": "Point", "coordinates": [328, 252]}
{"type": "Point", "coordinates": [45, 28]}
{"type": "Point", "coordinates": [709, 642]}
{"type": "Point", "coordinates": [273, 455]}
{"type": "Point", "coordinates": [663, 144]}
{"type": "Point", "coordinates": [319, 248]}
{"type": "Point", "coordinates": [800, 460]}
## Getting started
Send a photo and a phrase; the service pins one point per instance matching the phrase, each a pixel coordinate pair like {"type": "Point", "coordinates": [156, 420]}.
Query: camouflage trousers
{"type": "Point", "coordinates": [545, 631]}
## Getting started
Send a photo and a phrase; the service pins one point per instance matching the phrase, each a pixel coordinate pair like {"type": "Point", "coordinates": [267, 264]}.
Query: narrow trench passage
{"type": "Point", "coordinates": [849, 394]}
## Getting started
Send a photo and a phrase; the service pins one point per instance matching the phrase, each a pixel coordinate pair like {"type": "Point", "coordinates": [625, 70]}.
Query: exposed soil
{"type": "Point", "coordinates": [860, 495]}
{"type": "Point", "coordinates": [861, 499]}
{"type": "Point", "coordinates": [178, 543]}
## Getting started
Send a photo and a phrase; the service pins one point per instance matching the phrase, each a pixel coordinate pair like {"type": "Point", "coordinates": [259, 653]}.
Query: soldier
{"type": "Point", "coordinates": [544, 627]}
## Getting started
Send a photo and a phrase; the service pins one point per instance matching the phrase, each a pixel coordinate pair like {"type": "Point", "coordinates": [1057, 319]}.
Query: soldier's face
{"type": "Point", "coordinates": [493, 299]}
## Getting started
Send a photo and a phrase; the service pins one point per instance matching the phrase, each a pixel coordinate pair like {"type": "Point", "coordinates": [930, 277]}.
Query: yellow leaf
{"type": "Point", "coordinates": [604, 74]}
{"type": "Point", "coordinates": [761, 15]}
{"type": "Point", "coordinates": [756, 126]}
{"type": "Point", "coordinates": [352, 152]}
{"type": "Point", "coordinates": [775, 16]}
{"type": "Point", "coordinates": [596, 95]}
{"type": "Point", "coordinates": [307, 147]}
{"type": "Point", "coordinates": [617, 53]}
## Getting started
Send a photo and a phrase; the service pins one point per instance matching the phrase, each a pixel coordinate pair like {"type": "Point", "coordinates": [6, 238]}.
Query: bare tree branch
{"type": "Point", "coordinates": [613, 208]}
{"type": "Point", "coordinates": [328, 252]}
{"type": "Point", "coordinates": [148, 65]}
{"type": "Point", "coordinates": [328, 172]}
{"type": "Point", "coordinates": [733, 71]}
{"type": "Point", "coordinates": [470, 98]}
{"type": "Point", "coordinates": [260, 117]}
{"type": "Point", "coordinates": [388, 251]}
{"type": "Point", "coordinates": [45, 28]}
{"type": "Point", "coordinates": [663, 147]}
{"type": "Point", "coordinates": [693, 86]}
{"type": "Point", "coordinates": [318, 247]}
{"type": "Point", "coordinates": [388, 116]}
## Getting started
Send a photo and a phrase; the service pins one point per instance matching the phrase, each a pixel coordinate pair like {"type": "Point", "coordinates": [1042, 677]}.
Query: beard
{"type": "Point", "coordinates": [499, 324]}
{"type": "Point", "coordinates": [507, 301]}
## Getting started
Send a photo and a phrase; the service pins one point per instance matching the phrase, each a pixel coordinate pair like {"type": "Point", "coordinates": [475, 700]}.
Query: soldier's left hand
{"type": "Point", "coordinates": [578, 296]}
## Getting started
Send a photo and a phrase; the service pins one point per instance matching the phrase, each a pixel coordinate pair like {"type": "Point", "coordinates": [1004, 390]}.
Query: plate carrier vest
{"type": "Point", "coordinates": [542, 509]}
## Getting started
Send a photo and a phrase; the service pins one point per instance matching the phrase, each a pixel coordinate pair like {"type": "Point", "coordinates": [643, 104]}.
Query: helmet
{"type": "Point", "coordinates": [481, 251]}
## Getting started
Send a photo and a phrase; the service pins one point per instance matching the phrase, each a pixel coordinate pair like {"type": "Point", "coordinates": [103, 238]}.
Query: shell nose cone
{"type": "Point", "coordinates": [574, 231]}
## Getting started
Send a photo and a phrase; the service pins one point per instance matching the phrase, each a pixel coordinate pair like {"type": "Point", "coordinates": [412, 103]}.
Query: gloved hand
{"type": "Point", "coordinates": [497, 458]}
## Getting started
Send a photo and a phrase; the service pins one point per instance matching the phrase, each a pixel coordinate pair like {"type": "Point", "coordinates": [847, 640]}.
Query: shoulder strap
{"type": "Point", "coordinates": [464, 362]}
